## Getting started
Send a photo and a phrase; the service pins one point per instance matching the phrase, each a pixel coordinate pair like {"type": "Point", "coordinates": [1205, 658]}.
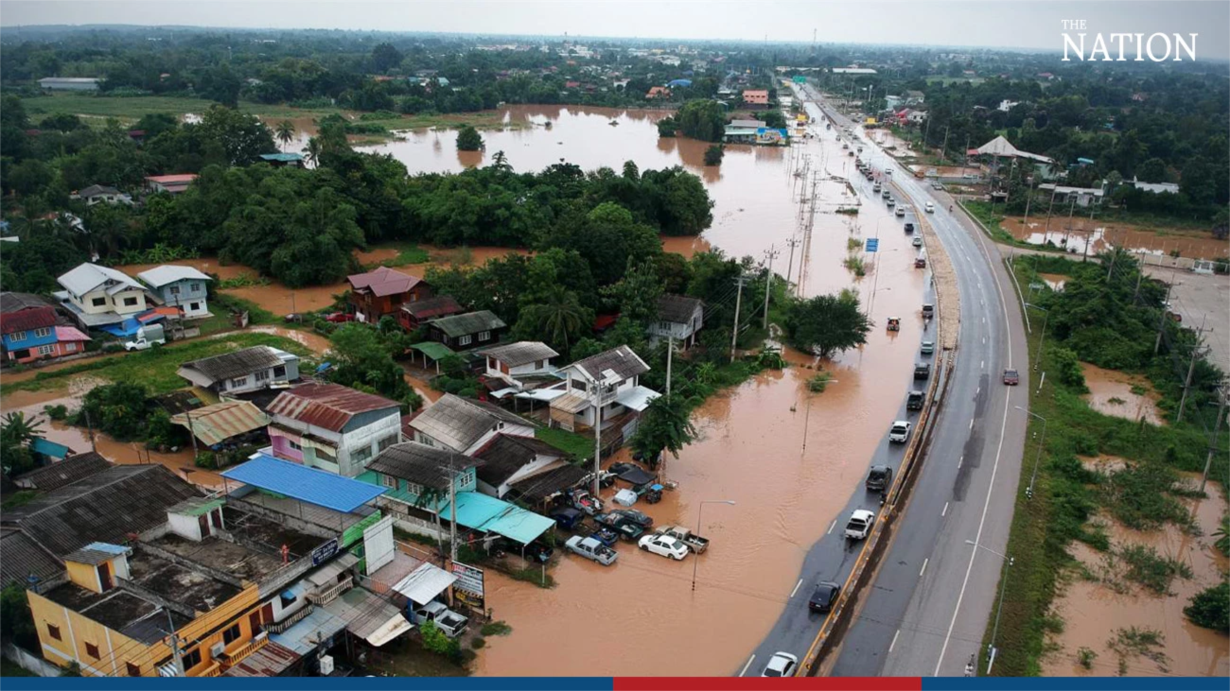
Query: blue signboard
{"type": "Point", "coordinates": [324, 552]}
{"type": "Point", "coordinates": [873, 244]}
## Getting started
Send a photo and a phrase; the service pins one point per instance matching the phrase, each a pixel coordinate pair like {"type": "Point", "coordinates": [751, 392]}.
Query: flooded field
{"type": "Point", "coordinates": [1083, 236]}
{"type": "Point", "coordinates": [1121, 395]}
{"type": "Point", "coordinates": [1094, 612]}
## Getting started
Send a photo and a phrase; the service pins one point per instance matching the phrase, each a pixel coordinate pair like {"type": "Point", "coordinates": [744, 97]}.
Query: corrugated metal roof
{"type": "Point", "coordinates": [65, 472]}
{"type": "Point", "coordinates": [96, 553]}
{"type": "Point", "coordinates": [538, 487]}
{"type": "Point", "coordinates": [269, 661]}
{"type": "Point", "coordinates": [239, 363]}
{"type": "Point", "coordinates": [433, 350]}
{"type": "Point", "coordinates": [425, 583]}
{"type": "Point", "coordinates": [329, 406]}
{"type": "Point", "coordinates": [87, 277]}
{"type": "Point", "coordinates": [621, 360]}
{"type": "Point", "coordinates": [304, 484]}
{"type": "Point", "coordinates": [520, 353]}
{"type": "Point", "coordinates": [488, 514]}
{"type": "Point", "coordinates": [678, 308]}
{"type": "Point", "coordinates": [421, 464]}
{"type": "Point", "coordinates": [469, 323]}
{"type": "Point", "coordinates": [22, 558]}
{"type": "Point", "coordinates": [15, 302]}
{"type": "Point", "coordinates": [170, 273]}
{"type": "Point", "coordinates": [27, 319]}
{"type": "Point", "coordinates": [216, 423]}
{"type": "Point", "coordinates": [305, 635]}
{"type": "Point", "coordinates": [364, 612]}
{"type": "Point", "coordinates": [505, 454]}
{"type": "Point", "coordinates": [50, 449]}
{"type": "Point", "coordinates": [458, 423]}
{"type": "Point", "coordinates": [431, 308]}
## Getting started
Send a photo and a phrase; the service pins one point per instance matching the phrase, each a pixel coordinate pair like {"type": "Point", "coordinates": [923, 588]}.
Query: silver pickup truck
{"type": "Point", "coordinates": [694, 542]}
{"type": "Point", "coordinates": [592, 549]}
{"type": "Point", "coordinates": [448, 621]}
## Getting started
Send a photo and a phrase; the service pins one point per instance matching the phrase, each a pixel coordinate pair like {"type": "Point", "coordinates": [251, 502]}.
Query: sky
{"type": "Point", "coordinates": [988, 23]}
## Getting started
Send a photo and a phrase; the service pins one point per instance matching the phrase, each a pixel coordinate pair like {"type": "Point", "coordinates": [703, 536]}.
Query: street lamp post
{"type": "Point", "coordinates": [1003, 587]}
{"type": "Point", "coordinates": [699, 511]}
{"type": "Point", "coordinates": [1042, 340]}
{"type": "Point", "coordinates": [1029, 491]}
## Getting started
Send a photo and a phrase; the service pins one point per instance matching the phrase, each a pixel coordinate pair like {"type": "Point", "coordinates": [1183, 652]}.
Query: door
{"type": "Point", "coordinates": [104, 576]}
{"type": "Point", "coordinates": [215, 518]}
{"type": "Point", "coordinates": [254, 620]}
{"type": "Point", "coordinates": [203, 522]}
{"type": "Point", "coordinates": [267, 612]}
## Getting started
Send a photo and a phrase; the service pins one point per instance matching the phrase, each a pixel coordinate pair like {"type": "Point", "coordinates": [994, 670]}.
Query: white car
{"type": "Point", "coordinates": [664, 545]}
{"type": "Point", "coordinates": [860, 524]}
{"type": "Point", "coordinates": [930, 208]}
{"type": "Point", "coordinates": [900, 211]}
{"type": "Point", "coordinates": [899, 432]}
{"type": "Point", "coordinates": [780, 665]}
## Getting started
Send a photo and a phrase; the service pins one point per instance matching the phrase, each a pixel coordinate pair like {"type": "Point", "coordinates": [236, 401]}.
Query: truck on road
{"type": "Point", "coordinates": [147, 337]}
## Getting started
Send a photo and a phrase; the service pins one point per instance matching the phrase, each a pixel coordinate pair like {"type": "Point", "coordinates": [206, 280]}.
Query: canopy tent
{"type": "Point", "coordinates": [304, 484]}
{"type": "Point", "coordinates": [433, 351]}
{"type": "Point", "coordinates": [488, 514]}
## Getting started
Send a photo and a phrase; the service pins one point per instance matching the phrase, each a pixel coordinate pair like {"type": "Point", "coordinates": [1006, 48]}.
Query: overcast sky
{"type": "Point", "coordinates": [992, 23]}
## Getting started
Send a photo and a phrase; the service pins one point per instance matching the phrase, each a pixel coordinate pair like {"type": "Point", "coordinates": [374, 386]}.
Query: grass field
{"type": "Point", "coordinates": [130, 109]}
{"type": "Point", "coordinates": [569, 442]}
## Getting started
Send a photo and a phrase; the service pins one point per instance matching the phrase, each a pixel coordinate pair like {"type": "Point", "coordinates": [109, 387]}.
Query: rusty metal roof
{"type": "Point", "coordinates": [269, 660]}
{"type": "Point", "coordinates": [383, 281]}
{"type": "Point", "coordinates": [328, 406]}
{"type": "Point", "coordinates": [215, 424]}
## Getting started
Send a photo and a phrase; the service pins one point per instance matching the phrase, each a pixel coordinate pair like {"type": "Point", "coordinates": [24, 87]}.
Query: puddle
{"type": "Point", "coordinates": [1054, 281]}
{"type": "Point", "coordinates": [1110, 393]}
{"type": "Point", "coordinates": [1092, 612]}
{"type": "Point", "coordinates": [1083, 236]}
{"type": "Point", "coordinates": [310, 339]}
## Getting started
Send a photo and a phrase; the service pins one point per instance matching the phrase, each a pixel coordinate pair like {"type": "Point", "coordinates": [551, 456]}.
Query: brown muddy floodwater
{"type": "Point", "coordinates": [641, 616]}
{"type": "Point", "coordinates": [1093, 611]}
{"type": "Point", "coordinates": [1083, 236]}
{"type": "Point", "coordinates": [1110, 393]}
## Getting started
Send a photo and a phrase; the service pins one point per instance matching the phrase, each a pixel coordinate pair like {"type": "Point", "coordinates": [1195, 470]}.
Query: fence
{"type": "Point", "coordinates": [30, 662]}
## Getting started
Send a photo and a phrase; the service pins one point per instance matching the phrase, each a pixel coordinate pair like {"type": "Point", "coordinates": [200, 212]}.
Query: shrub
{"type": "Point", "coordinates": [435, 641]}
{"type": "Point", "coordinates": [1148, 568]}
{"type": "Point", "coordinates": [56, 412]}
{"type": "Point", "coordinates": [714, 154]}
{"type": "Point", "coordinates": [496, 628]}
{"type": "Point", "coordinates": [1086, 657]}
{"type": "Point", "coordinates": [1210, 608]}
{"type": "Point", "coordinates": [1068, 369]}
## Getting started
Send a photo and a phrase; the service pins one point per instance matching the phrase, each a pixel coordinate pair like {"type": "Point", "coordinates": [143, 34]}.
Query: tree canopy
{"type": "Point", "coordinates": [826, 324]}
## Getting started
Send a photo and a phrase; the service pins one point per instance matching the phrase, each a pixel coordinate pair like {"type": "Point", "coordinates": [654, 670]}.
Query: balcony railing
{"type": "Point", "coordinates": [213, 670]}
{"type": "Point", "coordinates": [281, 626]}
{"type": "Point", "coordinates": [323, 596]}
{"type": "Point", "coordinates": [235, 657]}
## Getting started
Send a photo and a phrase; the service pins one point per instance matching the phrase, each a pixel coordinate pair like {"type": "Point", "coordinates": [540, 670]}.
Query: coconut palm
{"type": "Point", "coordinates": [285, 132]}
{"type": "Point", "coordinates": [559, 317]}
{"type": "Point", "coordinates": [19, 431]}
{"type": "Point", "coordinates": [312, 151]}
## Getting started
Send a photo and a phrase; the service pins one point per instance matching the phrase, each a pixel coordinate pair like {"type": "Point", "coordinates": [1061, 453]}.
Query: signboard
{"type": "Point", "coordinates": [873, 244]}
{"type": "Point", "coordinates": [469, 586]}
{"type": "Point", "coordinates": [378, 544]}
{"type": "Point", "coordinates": [800, 79]}
{"type": "Point", "coordinates": [324, 553]}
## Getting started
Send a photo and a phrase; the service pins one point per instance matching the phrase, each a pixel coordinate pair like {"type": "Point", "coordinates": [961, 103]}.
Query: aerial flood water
{"type": "Point", "coordinates": [789, 459]}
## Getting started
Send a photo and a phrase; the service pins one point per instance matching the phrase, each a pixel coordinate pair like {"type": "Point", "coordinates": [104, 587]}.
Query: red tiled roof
{"type": "Point", "coordinates": [384, 281]}
{"type": "Point", "coordinates": [28, 319]}
{"type": "Point", "coordinates": [69, 333]}
{"type": "Point", "coordinates": [329, 406]}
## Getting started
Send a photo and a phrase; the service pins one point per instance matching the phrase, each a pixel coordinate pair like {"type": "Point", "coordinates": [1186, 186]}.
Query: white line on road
{"type": "Point", "coordinates": [960, 462]}
{"type": "Point", "coordinates": [924, 568]}
{"type": "Point", "coordinates": [749, 664]}
{"type": "Point", "coordinates": [796, 587]}
{"type": "Point", "coordinates": [971, 424]}
{"type": "Point", "coordinates": [977, 391]}
{"type": "Point", "coordinates": [945, 511]}
{"type": "Point", "coordinates": [831, 526]}
{"type": "Point", "coordinates": [982, 365]}
{"type": "Point", "coordinates": [890, 645]}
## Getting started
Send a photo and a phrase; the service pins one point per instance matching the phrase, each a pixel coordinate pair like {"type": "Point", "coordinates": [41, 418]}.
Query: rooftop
{"type": "Point", "coordinates": [170, 273]}
{"type": "Point", "coordinates": [21, 558]}
{"type": "Point", "coordinates": [383, 281]}
{"type": "Point", "coordinates": [458, 423]}
{"type": "Point", "coordinates": [87, 277]}
{"type": "Point", "coordinates": [678, 308]}
{"type": "Point", "coordinates": [179, 584]}
{"type": "Point", "coordinates": [119, 610]}
{"type": "Point", "coordinates": [239, 363]}
{"type": "Point", "coordinates": [622, 361]}
{"type": "Point", "coordinates": [28, 319]}
{"type": "Point", "coordinates": [282, 157]}
{"type": "Point", "coordinates": [65, 472]}
{"type": "Point", "coordinates": [228, 557]}
{"type": "Point", "coordinates": [13, 302]}
{"type": "Point", "coordinates": [469, 323]}
{"type": "Point", "coordinates": [216, 423]}
{"type": "Point", "coordinates": [423, 465]}
{"type": "Point", "coordinates": [304, 484]}
{"type": "Point", "coordinates": [177, 179]}
{"type": "Point", "coordinates": [541, 486]}
{"type": "Point", "coordinates": [328, 406]}
{"type": "Point", "coordinates": [520, 353]}
{"type": "Point", "coordinates": [430, 308]}
{"type": "Point", "coordinates": [505, 454]}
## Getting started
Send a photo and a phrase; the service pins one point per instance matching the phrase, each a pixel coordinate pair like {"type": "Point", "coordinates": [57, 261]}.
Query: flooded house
{"type": "Point", "coordinates": [332, 427]}
{"type": "Point", "coordinates": [383, 291]}
{"type": "Point", "coordinates": [602, 389]}
{"type": "Point", "coordinates": [31, 330]}
{"type": "Point", "coordinates": [464, 426]}
{"type": "Point", "coordinates": [242, 371]}
{"type": "Point", "coordinates": [514, 367]}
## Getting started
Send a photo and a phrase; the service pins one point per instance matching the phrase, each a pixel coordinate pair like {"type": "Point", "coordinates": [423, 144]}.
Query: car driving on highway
{"type": "Point", "coordinates": [780, 665]}
{"type": "Point", "coordinates": [899, 432]}
{"type": "Point", "coordinates": [824, 596]}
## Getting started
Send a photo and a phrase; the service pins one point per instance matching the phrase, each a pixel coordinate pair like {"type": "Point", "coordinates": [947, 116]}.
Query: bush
{"type": "Point", "coordinates": [468, 139]}
{"type": "Point", "coordinates": [1210, 608]}
{"type": "Point", "coordinates": [1068, 369]}
{"type": "Point", "coordinates": [120, 410]}
{"type": "Point", "coordinates": [435, 641]}
{"type": "Point", "coordinates": [714, 154]}
{"type": "Point", "coordinates": [1148, 568]}
{"type": "Point", "coordinates": [56, 412]}
{"type": "Point", "coordinates": [496, 628]}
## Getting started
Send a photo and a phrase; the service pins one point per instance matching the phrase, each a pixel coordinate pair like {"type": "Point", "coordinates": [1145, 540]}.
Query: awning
{"type": "Point", "coordinates": [433, 350]}
{"type": "Point", "coordinates": [425, 583]}
{"type": "Point", "coordinates": [327, 574]}
{"type": "Point", "coordinates": [369, 616]}
{"type": "Point", "coordinates": [304, 484]}
{"type": "Point", "coordinates": [501, 393]}
{"type": "Point", "coordinates": [542, 394]}
{"type": "Point", "coordinates": [636, 398]}
{"type": "Point", "coordinates": [394, 627]}
{"type": "Point", "coordinates": [571, 403]}
{"type": "Point", "coordinates": [488, 514]}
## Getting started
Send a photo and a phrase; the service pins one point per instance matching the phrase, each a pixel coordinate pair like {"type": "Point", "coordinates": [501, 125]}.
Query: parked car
{"type": "Point", "coordinates": [625, 527]}
{"type": "Point", "coordinates": [899, 432]}
{"type": "Point", "coordinates": [634, 516]}
{"type": "Point", "coordinates": [694, 542]}
{"type": "Point", "coordinates": [900, 211]}
{"type": "Point", "coordinates": [567, 517]}
{"type": "Point", "coordinates": [886, 194]}
{"type": "Point", "coordinates": [605, 535]}
{"type": "Point", "coordinates": [824, 596]}
{"type": "Point", "coordinates": [147, 337]}
{"type": "Point", "coordinates": [888, 171]}
{"type": "Point", "coordinates": [909, 228]}
{"type": "Point", "coordinates": [930, 206]}
{"type": "Point", "coordinates": [917, 241]}
{"type": "Point", "coordinates": [591, 549]}
{"type": "Point", "coordinates": [780, 665]}
{"type": "Point", "coordinates": [664, 546]}
{"type": "Point", "coordinates": [859, 524]}
{"type": "Point", "coordinates": [339, 317]}
{"type": "Point", "coordinates": [1011, 377]}
{"type": "Point", "coordinates": [876, 187]}
{"type": "Point", "coordinates": [449, 622]}
{"type": "Point", "coordinates": [922, 370]}
{"type": "Point", "coordinates": [928, 310]}
{"type": "Point", "coordinates": [927, 347]}
{"type": "Point", "coordinates": [937, 186]}
{"type": "Point", "coordinates": [891, 202]}
{"type": "Point", "coordinates": [914, 400]}
{"type": "Point", "coordinates": [879, 478]}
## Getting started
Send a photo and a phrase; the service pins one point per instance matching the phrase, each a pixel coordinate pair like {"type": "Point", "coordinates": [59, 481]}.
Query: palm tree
{"type": "Point", "coordinates": [560, 316]}
{"type": "Point", "coordinates": [19, 431]}
{"type": "Point", "coordinates": [312, 151]}
{"type": "Point", "coordinates": [285, 132]}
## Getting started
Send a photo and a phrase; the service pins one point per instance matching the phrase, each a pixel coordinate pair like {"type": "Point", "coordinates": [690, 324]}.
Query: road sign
{"type": "Point", "coordinates": [873, 244]}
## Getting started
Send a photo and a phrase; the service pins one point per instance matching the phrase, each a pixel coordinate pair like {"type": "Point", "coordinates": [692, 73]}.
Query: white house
{"type": "Point", "coordinates": [241, 371]}
{"type": "Point", "coordinates": [679, 318]}
{"type": "Point", "coordinates": [99, 295]}
{"type": "Point", "coordinates": [464, 426]}
{"type": "Point", "coordinates": [518, 364]}
{"type": "Point", "coordinates": [1156, 187]}
{"type": "Point", "coordinates": [332, 427]}
{"type": "Point", "coordinates": [609, 380]}
{"type": "Point", "coordinates": [1006, 105]}
{"type": "Point", "coordinates": [507, 460]}
{"type": "Point", "coordinates": [95, 194]}
{"type": "Point", "coordinates": [69, 83]}
{"type": "Point", "coordinates": [179, 286]}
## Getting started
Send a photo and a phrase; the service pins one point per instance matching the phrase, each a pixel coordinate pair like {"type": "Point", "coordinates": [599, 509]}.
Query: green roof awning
{"type": "Point", "coordinates": [433, 350]}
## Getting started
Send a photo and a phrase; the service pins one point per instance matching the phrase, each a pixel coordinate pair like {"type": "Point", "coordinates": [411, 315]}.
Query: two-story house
{"type": "Point", "coordinates": [466, 331]}
{"type": "Point", "coordinates": [679, 318]}
{"type": "Point", "coordinates": [463, 425]}
{"type": "Point", "coordinates": [383, 291]}
{"type": "Point", "coordinates": [332, 427]}
{"type": "Point", "coordinates": [508, 460]}
{"type": "Point", "coordinates": [601, 388]}
{"type": "Point", "coordinates": [418, 475]}
{"type": "Point", "coordinates": [179, 286]}
{"type": "Point", "coordinates": [519, 364]}
{"type": "Point", "coordinates": [415, 314]}
{"type": "Point", "coordinates": [101, 296]}
{"type": "Point", "coordinates": [242, 371]}
{"type": "Point", "coordinates": [30, 330]}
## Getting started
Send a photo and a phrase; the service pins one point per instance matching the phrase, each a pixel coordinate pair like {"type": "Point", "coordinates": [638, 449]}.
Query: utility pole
{"type": "Point", "coordinates": [452, 506]}
{"type": "Point", "coordinates": [1161, 320]}
{"type": "Point", "coordinates": [965, 159]}
{"type": "Point", "coordinates": [192, 433]}
{"type": "Point", "coordinates": [790, 262]}
{"type": "Point", "coordinates": [1068, 233]}
{"type": "Point", "coordinates": [768, 288]}
{"type": "Point", "coordinates": [670, 349]}
{"type": "Point", "coordinates": [1187, 382]}
{"type": "Point", "coordinates": [179, 659]}
{"type": "Point", "coordinates": [734, 336]}
{"type": "Point", "coordinates": [1221, 413]}
{"type": "Point", "coordinates": [90, 427]}
{"type": "Point", "coordinates": [1028, 198]}
{"type": "Point", "coordinates": [944, 147]}
{"type": "Point", "coordinates": [1049, 208]}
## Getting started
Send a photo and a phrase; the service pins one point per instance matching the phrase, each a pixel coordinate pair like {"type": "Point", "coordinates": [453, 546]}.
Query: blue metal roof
{"type": "Point", "coordinates": [50, 449]}
{"type": "Point", "coordinates": [304, 484]}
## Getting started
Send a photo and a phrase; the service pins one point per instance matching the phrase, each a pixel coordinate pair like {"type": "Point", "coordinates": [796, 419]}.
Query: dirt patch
{"type": "Point", "coordinates": [1096, 607]}
{"type": "Point", "coordinates": [1104, 464]}
{"type": "Point", "coordinates": [687, 246]}
{"type": "Point", "coordinates": [1122, 395]}
{"type": "Point", "coordinates": [1054, 281]}
{"type": "Point", "coordinates": [1082, 236]}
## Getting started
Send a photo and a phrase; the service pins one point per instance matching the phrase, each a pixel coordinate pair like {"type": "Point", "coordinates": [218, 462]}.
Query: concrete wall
{"type": "Point", "coordinates": [29, 662]}
{"type": "Point", "coordinates": [76, 630]}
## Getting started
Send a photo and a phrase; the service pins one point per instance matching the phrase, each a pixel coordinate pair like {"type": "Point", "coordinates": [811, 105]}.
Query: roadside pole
{"type": "Point", "coordinates": [771, 253]}
{"type": "Point", "coordinates": [1187, 382]}
{"type": "Point", "coordinates": [670, 348]}
{"type": "Point", "coordinates": [1161, 320]}
{"type": "Point", "coordinates": [1208, 462]}
{"type": "Point", "coordinates": [734, 336]}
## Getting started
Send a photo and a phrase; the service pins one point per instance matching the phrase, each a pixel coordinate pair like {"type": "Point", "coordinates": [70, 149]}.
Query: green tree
{"type": "Point", "coordinates": [385, 57]}
{"type": "Point", "coordinates": [826, 324]}
{"type": "Point", "coordinates": [702, 119]}
{"type": "Point", "coordinates": [1152, 170]}
{"type": "Point", "coordinates": [360, 358]}
{"type": "Point", "coordinates": [285, 132]}
{"type": "Point", "coordinates": [665, 426]}
{"type": "Point", "coordinates": [559, 321]}
{"type": "Point", "coordinates": [121, 410]}
{"type": "Point", "coordinates": [636, 294]}
{"type": "Point", "coordinates": [16, 621]}
{"type": "Point", "coordinates": [243, 137]}
{"type": "Point", "coordinates": [774, 119]}
{"type": "Point", "coordinates": [714, 154]}
{"type": "Point", "coordinates": [468, 139]}
{"type": "Point", "coordinates": [1210, 607]}
{"type": "Point", "coordinates": [666, 127]}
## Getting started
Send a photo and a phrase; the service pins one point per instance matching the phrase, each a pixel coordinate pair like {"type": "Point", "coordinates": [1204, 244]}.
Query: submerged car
{"type": "Point", "coordinates": [664, 546]}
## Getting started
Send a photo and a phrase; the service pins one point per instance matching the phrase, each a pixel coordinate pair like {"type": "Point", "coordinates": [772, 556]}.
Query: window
{"type": "Point", "coordinates": [19, 336]}
{"type": "Point", "coordinates": [230, 635]}
{"type": "Point", "coordinates": [241, 381]}
{"type": "Point", "coordinates": [388, 481]}
{"type": "Point", "coordinates": [46, 350]}
{"type": "Point", "coordinates": [174, 290]}
{"type": "Point", "coordinates": [262, 375]}
{"type": "Point", "coordinates": [414, 489]}
{"type": "Point", "coordinates": [194, 306]}
{"type": "Point", "coordinates": [196, 287]}
{"type": "Point", "coordinates": [54, 632]}
{"type": "Point", "coordinates": [192, 659]}
{"type": "Point", "coordinates": [361, 454]}
{"type": "Point", "coordinates": [293, 445]}
{"type": "Point", "coordinates": [70, 347]}
{"type": "Point", "coordinates": [426, 440]}
{"type": "Point", "coordinates": [464, 340]}
{"type": "Point", "coordinates": [279, 371]}
{"type": "Point", "coordinates": [130, 302]}
{"type": "Point", "coordinates": [287, 601]}
{"type": "Point", "coordinates": [386, 442]}
{"type": "Point", "coordinates": [98, 302]}
{"type": "Point", "coordinates": [91, 650]}
{"type": "Point", "coordinates": [40, 333]}
{"type": "Point", "coordinates": [484, 335]}
{"type": "Point", "coordinates": [133, 670]}
{"type": "Point", "coordinates": [539, 364]}
{"type": "Point", "coordinates": [579, 385]}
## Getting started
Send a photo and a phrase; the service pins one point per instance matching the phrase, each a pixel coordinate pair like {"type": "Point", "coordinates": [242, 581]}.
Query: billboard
{"type": "Point", "coordinates": [468, 590]}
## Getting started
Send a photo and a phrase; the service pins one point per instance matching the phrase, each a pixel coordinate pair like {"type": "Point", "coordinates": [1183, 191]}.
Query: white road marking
{"type": "Point", "coordinates": [982, 365]}
{"type": "Point", "coordinates": [924, 568]}
{"type": "Point", "coordinates": [796, 588]}
{"type": "Point", "coordinates": [749, 664]}
{"type": "Point", "coordinates": [890, 645]}
{"type": "Point", "coordinates": [959, 462]}
{"type": "Point", "coordinates": [831, 526]}
{"type": "Point", "coordinates": [984, 339]}
{"type": "Point", "coordinates": [945, 511]}
{"type": "Point", "coordinates": [971, 424]}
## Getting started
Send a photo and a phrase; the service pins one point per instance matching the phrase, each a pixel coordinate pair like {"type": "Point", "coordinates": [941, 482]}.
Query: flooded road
{"type": "Point", "coordinates": [788, 466]}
